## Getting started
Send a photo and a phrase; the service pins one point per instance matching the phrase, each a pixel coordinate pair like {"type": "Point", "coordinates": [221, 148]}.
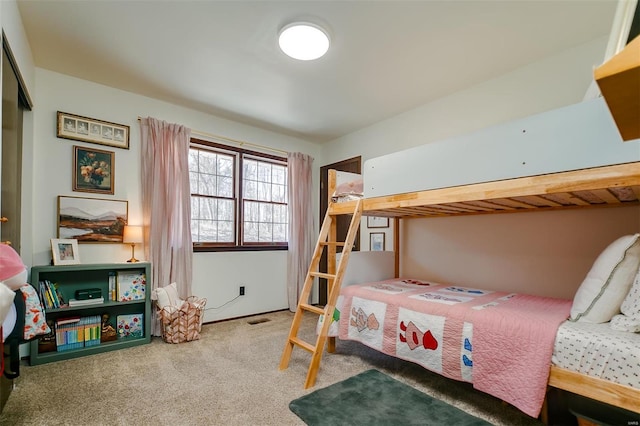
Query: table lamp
{"type": "Point", "coordinates": [132, 235]}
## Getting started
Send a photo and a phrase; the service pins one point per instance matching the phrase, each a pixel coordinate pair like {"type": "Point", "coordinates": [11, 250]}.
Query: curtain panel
{"type": "Point", "coordinates": [301, 233]}
{"type": "Point", "coordinates": [166, 206]}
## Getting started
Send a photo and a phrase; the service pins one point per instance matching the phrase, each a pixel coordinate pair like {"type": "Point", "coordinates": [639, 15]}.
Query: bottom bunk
{"type": "Point", "coordinates": [511, 346]}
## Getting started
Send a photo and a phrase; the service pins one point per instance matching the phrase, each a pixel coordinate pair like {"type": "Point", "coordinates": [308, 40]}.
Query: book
{"type": "Point", "coordinates": [131, 285]}
{"type": "Point", "coordinates": [112, 286]}
{"type": "Point", "coordinates": [86, 302]}
{"type": "Point", "coordinates": [130, 325]}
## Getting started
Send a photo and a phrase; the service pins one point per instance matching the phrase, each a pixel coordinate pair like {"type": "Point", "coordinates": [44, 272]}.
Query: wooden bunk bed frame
{"type": "Point", "coordinates": [608, 186]}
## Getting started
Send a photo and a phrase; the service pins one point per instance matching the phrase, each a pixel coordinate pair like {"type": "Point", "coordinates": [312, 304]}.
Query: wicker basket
{"type": "Point", "coordinates": [182, 324]}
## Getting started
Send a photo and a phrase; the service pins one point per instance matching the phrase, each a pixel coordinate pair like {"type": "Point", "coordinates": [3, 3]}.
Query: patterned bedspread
{"type": "Point", "coordinates": [491, 339]}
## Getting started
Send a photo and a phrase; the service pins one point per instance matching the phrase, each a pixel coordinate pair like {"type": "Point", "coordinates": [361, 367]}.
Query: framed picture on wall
{"type": "Point", "coordinates": [376, 241]}
{"type": "Point", "coordinates": [377, 222]}
{"type": "Point", "coordinates": [65, 251]}
{"type": "Point", "coordinates": [79, 128]}
{"type": "Point", "coordinates": [93, 170]}
{"type": "Point", "coordinates": [92, 220]}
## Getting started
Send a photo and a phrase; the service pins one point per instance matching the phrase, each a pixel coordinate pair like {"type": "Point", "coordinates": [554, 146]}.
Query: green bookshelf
{"type": "Point", "coordinates": [71, 278]}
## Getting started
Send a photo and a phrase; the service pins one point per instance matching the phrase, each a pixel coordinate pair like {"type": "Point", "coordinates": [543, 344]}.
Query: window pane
{"type": "Point", "coordinates": [206, 184]}
{"type": "Point", "coordinates": [264, 191]}
{"type": "Point", "coordinates": [279, 174]}
{"type": "Point", "coordinates": [278, 193]}
{"type": "Point", "coordinates": [225, 187]}
{"type": "Point", "coordinates": [225, 165]}
{"type": "Point", "coordinates": [250, 169]}
{"type": "Point", "coordinates": [226, 210]}
{"type": "Point", "coordinates": [207, 162]}
{"type": "Point", "coordinates": [250, 232]}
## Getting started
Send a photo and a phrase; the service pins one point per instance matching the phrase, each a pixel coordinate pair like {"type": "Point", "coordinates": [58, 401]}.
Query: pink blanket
{"type": "Point", "coordinates": [500, 342]}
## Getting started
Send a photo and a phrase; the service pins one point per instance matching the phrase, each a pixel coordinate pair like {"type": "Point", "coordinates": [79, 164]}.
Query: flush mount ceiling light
{"type": "Point", "coordinates": [303, 41]}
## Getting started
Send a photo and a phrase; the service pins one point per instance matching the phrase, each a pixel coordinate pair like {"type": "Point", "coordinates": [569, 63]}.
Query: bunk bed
{"type": "Point", "coordinates": [571, 158]}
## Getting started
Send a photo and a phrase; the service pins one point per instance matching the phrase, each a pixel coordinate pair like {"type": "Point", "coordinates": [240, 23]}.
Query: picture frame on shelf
{"type": "Point", "coordinates": [92, 220]}
{"type": "Point", "coordinates": [377, 222]}
{"type": "Point", "coordinates": [377, 241]}
{"type": "Point", "coordinates": [64, 251]}
{"type": "Point", "coordinates": [85, 129]}
{"type": "Point", "coordinates": [93, 170]}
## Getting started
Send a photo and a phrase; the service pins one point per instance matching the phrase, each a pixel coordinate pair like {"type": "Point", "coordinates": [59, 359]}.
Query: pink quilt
{"type": "Point", "coordinates": [500, 342]}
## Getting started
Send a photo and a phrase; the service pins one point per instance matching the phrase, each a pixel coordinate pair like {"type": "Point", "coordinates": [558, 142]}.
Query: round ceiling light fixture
{"type": "Point", "coordinates": [303, 41]}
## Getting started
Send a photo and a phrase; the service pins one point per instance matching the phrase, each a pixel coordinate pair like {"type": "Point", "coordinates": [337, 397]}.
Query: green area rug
{"type": "Point", "coordinates": [373, 398]}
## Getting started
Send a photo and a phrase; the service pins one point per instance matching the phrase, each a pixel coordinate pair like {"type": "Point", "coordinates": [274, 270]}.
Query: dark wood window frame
{"type": "Point", "coordinates": [240, 154]}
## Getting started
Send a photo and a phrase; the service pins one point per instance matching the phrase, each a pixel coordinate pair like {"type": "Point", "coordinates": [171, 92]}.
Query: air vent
{"type": "Point", "coordinates": [258, 321]}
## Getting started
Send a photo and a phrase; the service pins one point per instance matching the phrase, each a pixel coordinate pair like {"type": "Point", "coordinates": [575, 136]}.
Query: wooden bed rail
{"type": "Point", "coordinates": [601, 390]}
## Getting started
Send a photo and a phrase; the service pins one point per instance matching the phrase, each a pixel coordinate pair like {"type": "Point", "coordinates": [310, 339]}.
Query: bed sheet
{"type": "Point", "coordinates": [598, 351]}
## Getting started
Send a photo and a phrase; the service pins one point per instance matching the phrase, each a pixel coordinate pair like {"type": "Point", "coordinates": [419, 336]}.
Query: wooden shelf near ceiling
{"type": "Point", "coordinates": [619, 82]}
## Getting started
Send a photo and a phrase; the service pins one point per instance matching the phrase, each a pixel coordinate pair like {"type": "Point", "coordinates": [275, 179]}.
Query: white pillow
{"type": "Point", "coordinates": [631, 303]}
{"type": "Point", "coordinates": [168, 296]}
{"type": "Point", "coordinates": [629, 319]}
{"type": "Point", "coordinates": [601, 293]}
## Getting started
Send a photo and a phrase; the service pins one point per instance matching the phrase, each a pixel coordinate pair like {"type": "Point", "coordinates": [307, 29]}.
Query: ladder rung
{"type": "Point", "coordinates": [322, 275]}
{"type": "Point", "coordinates": [311, 308]}
{"type": "Point", "coordinates": [332, 243]}
{"type": "Point", "coordinates": [303, 344]}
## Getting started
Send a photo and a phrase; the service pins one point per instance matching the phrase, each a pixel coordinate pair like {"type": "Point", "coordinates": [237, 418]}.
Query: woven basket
{"type": "Point", "coordinates": [182, 324]}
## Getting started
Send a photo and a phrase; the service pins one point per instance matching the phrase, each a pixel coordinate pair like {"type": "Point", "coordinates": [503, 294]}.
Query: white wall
{"type": "Point", "coordinates": [545, 253]}
{"type": "Point", "coordinates": [216, 275]}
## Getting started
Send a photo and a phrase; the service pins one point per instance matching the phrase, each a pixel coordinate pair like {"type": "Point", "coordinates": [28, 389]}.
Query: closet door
{"type": "Point", "coordinates": [11, 165]}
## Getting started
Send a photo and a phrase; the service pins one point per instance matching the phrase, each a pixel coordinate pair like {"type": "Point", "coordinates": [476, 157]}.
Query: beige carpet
{"type": "Point", "coordinates": [229, 377]}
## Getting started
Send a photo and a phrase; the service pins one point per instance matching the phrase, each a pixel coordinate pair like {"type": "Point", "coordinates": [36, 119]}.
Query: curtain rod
{"type": "Point", "coordinates": [239, 142]}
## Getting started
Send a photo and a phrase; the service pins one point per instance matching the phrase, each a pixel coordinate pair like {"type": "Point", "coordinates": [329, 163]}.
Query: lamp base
{"type": "Point", "coordinates": [133, 257]}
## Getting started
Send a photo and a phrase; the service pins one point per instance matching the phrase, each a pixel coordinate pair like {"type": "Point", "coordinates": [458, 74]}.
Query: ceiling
{"type": "Point", "coordinates": [221, 57]}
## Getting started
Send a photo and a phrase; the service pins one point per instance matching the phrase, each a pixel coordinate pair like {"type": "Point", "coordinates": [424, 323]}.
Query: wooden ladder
{"type": "Point", "coordinates": [327, 239]}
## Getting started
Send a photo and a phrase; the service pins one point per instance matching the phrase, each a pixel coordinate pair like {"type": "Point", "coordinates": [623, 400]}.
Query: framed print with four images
{"type": "Point", "coordinates": [376, 241]}
{"type": "Point", "coordinates": [65, 251]}
{"type": "Point", "coordinates": [85, 129]}
{"type": "Point", "coordinates": [377, 222]}
{"type": "Point", "coordinates": [92, 220]}
{"type": "Point", "coordinates": [93, 170]}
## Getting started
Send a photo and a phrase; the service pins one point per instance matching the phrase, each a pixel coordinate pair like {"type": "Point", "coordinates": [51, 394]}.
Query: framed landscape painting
{"type": "Point", "coordinates": [91, 220]}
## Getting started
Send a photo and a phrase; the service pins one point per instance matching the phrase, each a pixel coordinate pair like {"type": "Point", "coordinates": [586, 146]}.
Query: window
{"type": "Point", "coordinates": [238, 198]}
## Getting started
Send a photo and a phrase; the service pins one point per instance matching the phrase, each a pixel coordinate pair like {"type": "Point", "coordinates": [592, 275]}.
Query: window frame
{"type": "Point", "coordinates": [238, 192]}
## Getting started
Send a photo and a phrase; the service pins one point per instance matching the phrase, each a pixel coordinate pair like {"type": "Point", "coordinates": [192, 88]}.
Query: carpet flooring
{"type": "Point", "coordinates": [228, 377]}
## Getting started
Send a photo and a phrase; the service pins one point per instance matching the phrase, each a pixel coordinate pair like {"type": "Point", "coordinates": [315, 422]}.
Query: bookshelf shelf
{"type": "Point", "coordinates": [71, 278]}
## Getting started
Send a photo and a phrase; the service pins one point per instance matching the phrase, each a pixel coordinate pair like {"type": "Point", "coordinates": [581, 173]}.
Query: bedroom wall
{"type": "Point", "coordinates": [216, 276]}
{"type": "Point", "coordinates": [543, 253]}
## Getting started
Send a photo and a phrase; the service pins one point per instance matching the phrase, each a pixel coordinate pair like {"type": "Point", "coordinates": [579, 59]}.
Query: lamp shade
{"type": "Point", "coordinates": [132, 234]}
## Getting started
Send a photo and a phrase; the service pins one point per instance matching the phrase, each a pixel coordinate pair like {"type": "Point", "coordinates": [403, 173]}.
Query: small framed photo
{"type": "Point", "coordinates": [93, 170]}
{"type": "Point", "coordinates": [377, 222]}
{"type": "Point", "coordinates": [376, 241]}
{"type": "Point", "coordinates": [85, 129]}
{"type": "Point", "coordinates": [65, 251]}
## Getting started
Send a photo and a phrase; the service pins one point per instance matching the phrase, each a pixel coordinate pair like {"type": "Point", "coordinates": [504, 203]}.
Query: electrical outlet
{"type": "Point", "coordinates": [241, 290]}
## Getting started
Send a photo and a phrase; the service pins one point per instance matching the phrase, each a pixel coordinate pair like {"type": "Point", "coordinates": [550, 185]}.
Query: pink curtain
{"type": "Point", "coordinates": [301, 233]}
{"type": "Point", "coordinates": [166, 206]}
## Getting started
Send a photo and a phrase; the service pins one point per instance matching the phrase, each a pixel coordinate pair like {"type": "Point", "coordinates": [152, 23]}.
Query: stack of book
{"type": "Point", "coordinates": [77, 332]}
{"type": "Point", "coordinates": [50, 295]}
